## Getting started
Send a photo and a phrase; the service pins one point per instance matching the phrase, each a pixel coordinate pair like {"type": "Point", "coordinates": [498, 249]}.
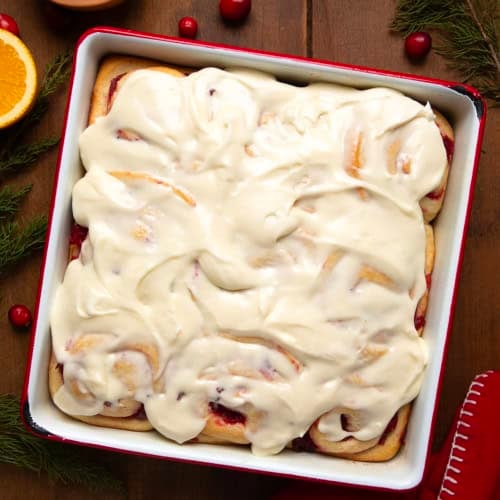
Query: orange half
{"type": "Point", "coordinates": [18, 79]}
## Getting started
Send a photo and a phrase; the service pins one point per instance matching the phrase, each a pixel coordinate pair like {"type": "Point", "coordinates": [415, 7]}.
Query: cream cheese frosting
{"type": "Point", "coordinates": [251, 243]}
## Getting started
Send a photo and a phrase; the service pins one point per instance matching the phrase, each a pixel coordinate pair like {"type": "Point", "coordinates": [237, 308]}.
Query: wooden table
{"type": "Point", "coordinates": [348, 31]}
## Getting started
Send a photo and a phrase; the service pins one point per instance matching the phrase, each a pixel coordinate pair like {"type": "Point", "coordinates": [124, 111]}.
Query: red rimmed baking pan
{"type": "Point", "coordinates": [464, 108]}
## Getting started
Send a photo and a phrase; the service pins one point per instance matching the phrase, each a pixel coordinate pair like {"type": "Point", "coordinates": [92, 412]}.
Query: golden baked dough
{"type": "Point", "coordinates": [123, 416]}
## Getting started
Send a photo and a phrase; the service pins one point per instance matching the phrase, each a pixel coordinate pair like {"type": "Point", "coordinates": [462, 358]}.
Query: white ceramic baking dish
{"type": "Point", "coordinates": [466, 111]}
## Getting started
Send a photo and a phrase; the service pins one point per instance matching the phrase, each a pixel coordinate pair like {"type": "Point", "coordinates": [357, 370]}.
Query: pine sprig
{"type": "Point", "coordinates": [56, 73]}
{"type": "Point", "coordinates": [60, 461]}
{"type": "Point", "coordinates": [10, 200]}
{"type": "Point", "coordinates": [468, 36]}
{"type": "Point", "coordinates": [17, 446]}
{"type": "Point", "coordinates": [17, 243]}
{"type": "Point", "coordinates": [22, 155]}
{"type": "Point", "coordinates": [12, 155]}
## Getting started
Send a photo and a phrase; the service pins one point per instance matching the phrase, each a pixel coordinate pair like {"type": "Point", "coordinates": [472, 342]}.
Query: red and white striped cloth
{"type": "Point", "coordinates": [466, 468]}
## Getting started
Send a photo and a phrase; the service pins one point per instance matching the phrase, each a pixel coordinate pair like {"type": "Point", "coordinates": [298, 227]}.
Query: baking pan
{"type": "Point", "coordinates": [461, 104]}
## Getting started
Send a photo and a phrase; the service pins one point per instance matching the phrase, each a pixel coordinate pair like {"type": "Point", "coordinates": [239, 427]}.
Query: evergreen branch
{"type": "Point", "coordinates": [62, 462]}
{"type": "Point", "coordinates": [25, 154]}
{"type": "Point", "coordinates": [16, 243]}
{"type": "Point", "coordinates": [418, 15]}
{"type": "Point", "coordinates": [10, 200]}
{"type": "Point", "coordinates": [467, 33]}
{"type": "Point", "coordinates": [56, 74]}
{"type": "Point", "coordinates": [485, 36]}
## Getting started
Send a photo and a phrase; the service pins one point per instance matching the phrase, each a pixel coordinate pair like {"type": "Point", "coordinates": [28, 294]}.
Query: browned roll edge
{"type": "Point", "coordinates": [128, 423]}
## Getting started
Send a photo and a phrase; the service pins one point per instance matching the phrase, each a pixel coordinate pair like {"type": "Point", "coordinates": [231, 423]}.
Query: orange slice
{"type": "Point", "coordinates": [18, 79]}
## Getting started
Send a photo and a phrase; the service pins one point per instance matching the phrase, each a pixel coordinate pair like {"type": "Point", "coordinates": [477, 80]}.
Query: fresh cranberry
{"type": "Point", "coordinates": [7, 23]}
{"type": "Point", "coordinates": [20, 316]}
{"type": "Point", "coordinates": [235, 10]}
{"type": "Point", "coordinates": [188, 27]}
{"type": "Point", "coordinates": [418, 45]}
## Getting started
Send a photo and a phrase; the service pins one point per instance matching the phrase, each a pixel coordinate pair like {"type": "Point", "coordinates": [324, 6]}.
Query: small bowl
{"type": "Point", "coordinates": [87, 4]}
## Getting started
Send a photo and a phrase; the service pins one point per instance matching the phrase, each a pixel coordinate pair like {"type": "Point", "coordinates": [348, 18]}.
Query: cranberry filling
{"type": "Point", "coordinates": [76, 237]}
{"type": "Point", "coordinates": [140, 414]}
{"type": "Point", "coordinates": [435, 195]}
{"type": "Point", "coordinates": [449, 145]}
{"type": "Point", "coordinates": [304, 443]}
{"type": "Point", "coordinates": [390, 427]}
{"type": "Point", "coordinates": [77, 234]}
{"type": "Point", "coordinates": [419, 322]}
{"type": "Point", "coordinates": [112, 88]}
{"type": "Point", "coordinates": [229, 416]}
{"type": "Point", "coordinates": [428, 280]}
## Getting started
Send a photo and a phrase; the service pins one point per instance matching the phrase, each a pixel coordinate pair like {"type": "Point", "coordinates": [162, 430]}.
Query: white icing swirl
{"type": "Point", "coordinates": [262, 239]}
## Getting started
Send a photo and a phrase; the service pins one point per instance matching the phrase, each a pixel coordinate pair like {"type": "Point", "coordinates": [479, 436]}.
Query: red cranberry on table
{"type": "Point", "coordinates": [188, 27]}
{"type": "Point", "coordinates": [418, 45]}
{"type": "Point", "coordinates": [8, 23]}
{"type": "Point", "coordinates": [20, 316]}
{"type": "Point", "coordinates": [235, 10]}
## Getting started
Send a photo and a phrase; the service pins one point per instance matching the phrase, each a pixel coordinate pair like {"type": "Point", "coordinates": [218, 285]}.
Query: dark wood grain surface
{"type": "Point", "coordinates": [348, 31]}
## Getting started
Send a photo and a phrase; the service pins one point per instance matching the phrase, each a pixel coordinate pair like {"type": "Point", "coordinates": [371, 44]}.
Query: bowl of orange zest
{"type": "Point", "coordinates": [18, 83]}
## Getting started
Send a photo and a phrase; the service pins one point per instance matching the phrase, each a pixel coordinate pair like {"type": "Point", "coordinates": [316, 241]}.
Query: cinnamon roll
{"type": "Point", "coordinates": [251, 260]}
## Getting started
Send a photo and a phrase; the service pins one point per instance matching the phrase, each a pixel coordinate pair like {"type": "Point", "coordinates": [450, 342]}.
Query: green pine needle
{"type": "Point", "coordinates": [17, 446]}
{"type": "Point", "coordinates": [17, 243]}
{"type": "Point", "coordinates": [62, 462]}
{"type": "Point", "coordinates": [10, 200]}
{"type": "Point", "coordinates": [23, 155]}
{"type": "Point", "coordinates": [56, 73]}
{"type": "Point", "coordinates": [467, 32]}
